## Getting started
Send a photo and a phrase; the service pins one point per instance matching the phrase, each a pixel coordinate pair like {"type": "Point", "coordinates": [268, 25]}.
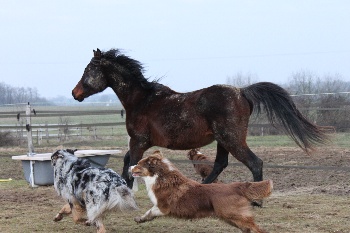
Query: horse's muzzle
{"type": "Point", "coordinates": [80, 98]}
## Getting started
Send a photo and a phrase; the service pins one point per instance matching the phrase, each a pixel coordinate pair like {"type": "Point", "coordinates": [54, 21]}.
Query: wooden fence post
{"type": "Point", "coordinates": [47, 132]}
{"type": "Point", "coordinates": [29, 131]}
{"type": "Point", "coordinates": [81, 130]}
{"type": "Point", "coordinates": [30, 144]}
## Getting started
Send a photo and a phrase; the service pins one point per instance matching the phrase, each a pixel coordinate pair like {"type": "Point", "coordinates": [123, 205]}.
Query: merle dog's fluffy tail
{"type": "Point", "coordinates": [123, 199]}
{"type": "Point", "coordinates": [281, 110]}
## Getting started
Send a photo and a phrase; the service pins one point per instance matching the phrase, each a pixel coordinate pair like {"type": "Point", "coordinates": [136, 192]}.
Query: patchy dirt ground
{"type": "Point", "coordinates": [311, 194]}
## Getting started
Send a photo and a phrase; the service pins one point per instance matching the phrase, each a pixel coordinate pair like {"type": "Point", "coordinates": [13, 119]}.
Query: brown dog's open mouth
{"type": "Point", "coordinates": [136, 174]}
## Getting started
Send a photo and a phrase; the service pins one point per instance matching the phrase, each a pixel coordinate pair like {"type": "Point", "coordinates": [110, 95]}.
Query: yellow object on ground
{"type": "Point", "coordinates": [5, 180]}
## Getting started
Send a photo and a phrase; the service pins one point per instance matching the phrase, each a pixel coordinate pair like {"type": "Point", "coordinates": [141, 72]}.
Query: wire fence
{"type": "Point", "coordinates": [108, 122]}
{"type": "Point", "coordinates": [62, 123]}
{"type": "Point", "coordinates": [66, 123]}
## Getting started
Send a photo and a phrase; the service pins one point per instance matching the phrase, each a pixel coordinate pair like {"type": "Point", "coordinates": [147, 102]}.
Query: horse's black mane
{"type": "Point", "coordinates": [135, 68]}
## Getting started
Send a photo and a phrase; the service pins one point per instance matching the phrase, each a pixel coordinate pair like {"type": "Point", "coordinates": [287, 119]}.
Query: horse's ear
{"type": "Point", "coordinates": [97, 53]}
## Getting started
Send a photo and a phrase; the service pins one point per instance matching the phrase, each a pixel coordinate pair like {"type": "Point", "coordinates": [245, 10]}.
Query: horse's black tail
{"type": "Point", "coordinates": [281, 110]}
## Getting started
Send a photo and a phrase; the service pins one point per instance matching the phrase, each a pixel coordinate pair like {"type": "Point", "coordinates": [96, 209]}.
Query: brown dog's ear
{"type": "Point", "coordinates": [158, 154]}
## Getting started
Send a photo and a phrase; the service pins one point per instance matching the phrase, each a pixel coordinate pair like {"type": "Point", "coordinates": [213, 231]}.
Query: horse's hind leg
{"type": "Point", "coordinates": [221, 162]}
{"type": "Point", "coordinates": [248, 158]}
{"type": "Point", "coordinates": [236, 144]}
{"type": "Point", "coordinates": [253, 162]}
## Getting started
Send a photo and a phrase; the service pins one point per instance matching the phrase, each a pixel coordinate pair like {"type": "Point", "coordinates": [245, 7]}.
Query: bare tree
{"type": "Point", "coordinates": [241, 80]}
{"type": "Point", "coordinates": [63, 130]}
{"type": "Point", "coordinates": [303, 82]}
{"type": "Point", "coordinates": [321, 99]}
{"type": "Point", "coordinates": [13, 95]}
{"type": "Point", "coordinates": [7, 139]}
{"type": "Point", "coordinates": [335, 102]}
{"type": "Point", "coordinates": [303, 85]}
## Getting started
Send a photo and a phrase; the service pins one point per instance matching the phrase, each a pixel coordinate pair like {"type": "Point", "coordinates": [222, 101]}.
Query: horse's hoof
{"type": "Point", "coordinates": [257, 203]}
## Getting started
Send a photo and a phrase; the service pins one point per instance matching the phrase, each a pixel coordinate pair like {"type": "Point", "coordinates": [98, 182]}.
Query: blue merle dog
{"type": "Point", "coordinates": [88, 190]}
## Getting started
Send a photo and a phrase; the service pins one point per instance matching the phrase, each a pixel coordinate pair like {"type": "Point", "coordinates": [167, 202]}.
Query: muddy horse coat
{"type": "Point", "coordinates": [158, 116]}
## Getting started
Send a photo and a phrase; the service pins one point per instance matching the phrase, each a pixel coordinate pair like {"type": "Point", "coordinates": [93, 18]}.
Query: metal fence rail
{"type": "Point", "coordinates": [256, 126]}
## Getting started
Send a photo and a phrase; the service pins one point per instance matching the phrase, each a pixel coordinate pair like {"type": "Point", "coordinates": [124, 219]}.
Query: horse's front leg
{"type": "Point", "coordinates": [131, 158]}
{"type": "Point", "coordinates": [126, 174]}
{"type": "Point", "coordinates": [221, 162]}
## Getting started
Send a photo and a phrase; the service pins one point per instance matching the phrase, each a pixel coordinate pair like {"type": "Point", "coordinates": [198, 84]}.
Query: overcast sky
{"type": "Point", "coordinates": [192, 44]}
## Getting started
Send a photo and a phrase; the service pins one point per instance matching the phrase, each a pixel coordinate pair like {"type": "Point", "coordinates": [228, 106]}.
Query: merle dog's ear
{"type": "Point", "coordinates": [71, 151]}
{"type": "Point", "coordinates": [57, 155]}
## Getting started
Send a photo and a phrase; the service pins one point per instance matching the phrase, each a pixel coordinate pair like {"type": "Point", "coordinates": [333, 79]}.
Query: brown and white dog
{"type": "Point", "coordinates": [88, 190]}
{"type": "Point", "coordinates": [175, 195]}
{"type": "Point", "coordinates": [201, 163]}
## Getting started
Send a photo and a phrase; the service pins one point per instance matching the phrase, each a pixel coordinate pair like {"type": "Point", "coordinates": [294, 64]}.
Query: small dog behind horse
{"type": "Point", "coordinates": [201, 163]}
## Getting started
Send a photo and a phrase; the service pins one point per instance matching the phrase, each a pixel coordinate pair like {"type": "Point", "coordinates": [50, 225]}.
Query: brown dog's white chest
{"type": "Point", "coordinates": [150, 181]}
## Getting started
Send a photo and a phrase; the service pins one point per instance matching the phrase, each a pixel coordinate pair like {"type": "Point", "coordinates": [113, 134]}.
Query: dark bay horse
{"type": "Point", "coordinates": [158, 116]}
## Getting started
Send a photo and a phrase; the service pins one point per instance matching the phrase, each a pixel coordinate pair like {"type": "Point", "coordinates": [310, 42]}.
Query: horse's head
{"type": "Point", "coordinates": [93, 80]}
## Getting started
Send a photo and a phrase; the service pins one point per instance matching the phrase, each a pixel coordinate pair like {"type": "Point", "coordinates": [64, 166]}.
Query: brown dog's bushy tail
{"type": "Point", "coordinates": [257, 190]}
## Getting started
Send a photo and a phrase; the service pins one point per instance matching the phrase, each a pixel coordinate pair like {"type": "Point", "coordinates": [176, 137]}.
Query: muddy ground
{"type": "Point", "coordinates": [311, 194]}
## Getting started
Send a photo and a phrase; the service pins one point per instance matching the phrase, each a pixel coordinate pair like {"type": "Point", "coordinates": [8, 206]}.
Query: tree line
{"type": "Point", "coordinates": [15, 95]}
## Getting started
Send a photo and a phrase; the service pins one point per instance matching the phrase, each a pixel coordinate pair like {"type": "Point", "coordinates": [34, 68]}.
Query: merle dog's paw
{"type": "Point", "coordinates": [138, 219]}
{"type": "Point", "coordinates": [87, 223]}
